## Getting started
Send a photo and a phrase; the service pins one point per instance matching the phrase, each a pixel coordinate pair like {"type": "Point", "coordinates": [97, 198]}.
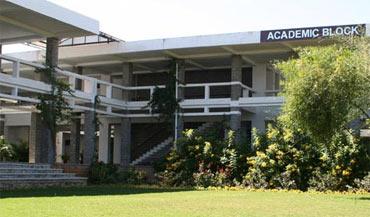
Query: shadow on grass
{"type": "Point", "coordinates": [96, 190]}
{"type": "Point", "coordinates": [364, 198]}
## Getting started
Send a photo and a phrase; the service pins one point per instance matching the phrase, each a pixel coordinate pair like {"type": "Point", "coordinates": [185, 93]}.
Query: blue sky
{"type": "Point", "coordinates": [147, 19]}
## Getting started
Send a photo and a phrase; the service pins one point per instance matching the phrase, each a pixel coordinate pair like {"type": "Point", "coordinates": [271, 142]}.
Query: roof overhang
{"type": "Point", "coordinates": [30, 20]}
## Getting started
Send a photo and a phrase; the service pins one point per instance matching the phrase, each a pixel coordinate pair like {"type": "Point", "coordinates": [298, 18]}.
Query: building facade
{"type": "Point", "coordinates": [226, 78]}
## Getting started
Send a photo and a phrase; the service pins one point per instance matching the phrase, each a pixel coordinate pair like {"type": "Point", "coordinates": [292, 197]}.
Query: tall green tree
{"type": "Point", "coordinates": [327, 87]}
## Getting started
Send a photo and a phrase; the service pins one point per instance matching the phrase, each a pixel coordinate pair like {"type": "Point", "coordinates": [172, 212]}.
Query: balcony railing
{"type": "Point", "coordinates": [118, 100]}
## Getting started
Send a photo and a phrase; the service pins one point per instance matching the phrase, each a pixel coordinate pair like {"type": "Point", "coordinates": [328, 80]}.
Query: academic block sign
{"type": "Point", "coordinates": [311, 32]}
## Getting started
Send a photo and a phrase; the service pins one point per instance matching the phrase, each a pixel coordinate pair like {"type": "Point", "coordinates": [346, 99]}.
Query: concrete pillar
{"type": "Point", "coordinates": [60, 148]}
{"type": "Point", "coordinates": [75, 141]}
{"type": "Point", "coordinates": [103, 90]}
{"type": "Point", "coordinates": [127, 77]}
{"type": "Point", "coordinates": [260, 84]}
{"type": "Point", "coordinates": [78, 82]}
{"type": "Point", "coordinates": [39, 136]}
{"type": "Point", "coordinates": [181, 77]}
{"type": "Point", "coordinates": [180, 126]}
{"type": "Point", "coordinates": [236, 91]}
{"type": "Point", "coordinates": [125, 136]}
{"type": "Point", "coordinates": [75, 138]}
{"type": "Point", "coordinates": [1, 51]}
{"type": "Point", "coordinates": [180, 95]}
{"type": "Point", "coordinates": [103, 140]}
{"type": "Point", "coordinates": [258, 122]}
{"type": "Point", "coordinates": [259, 79]}
{"type": "Point", "coordinates": [42, 146]}
{"type": "Point", "coordinates": [6, 132]}
{"type": "Point", "coordinates": [89, 137]}
{"type": "Point", "coordinates": [117, 145]}
{"type": "Point", "coordinates": [2, 124]}
{"type": "Point", "coordinates": [52, 51]}
{"type": "Point", "coordinates": [236, 75]}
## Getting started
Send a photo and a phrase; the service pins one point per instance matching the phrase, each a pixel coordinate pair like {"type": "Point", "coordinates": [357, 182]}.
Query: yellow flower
{"type": "Point", "coordinates": [263, 164]}
{"type": "Point", "coordinates": [324, 157]}
{"type": "Point", "coordinates": [288, 135]}
{"type": "Point", "coordinates": [346, 173]}
{"type": "Point", "coordinates": [207, 147]}
{"type": "Point", "coordinates": [272, 148]}
{"type": "Point", "coordinates": [189, 133]}
{"type": "Point", "coordinates": [272, 133]}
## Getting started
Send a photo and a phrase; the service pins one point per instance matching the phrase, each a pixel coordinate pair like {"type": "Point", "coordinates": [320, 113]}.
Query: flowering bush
{"type": "Point", "coordinates": [283, 159]}
{"type": "Point", "coordinates": [341, 162]}
{"type": "Point", "coordinates": [205, 159]}
{"type": "Point", "coordinates": [289, 159]}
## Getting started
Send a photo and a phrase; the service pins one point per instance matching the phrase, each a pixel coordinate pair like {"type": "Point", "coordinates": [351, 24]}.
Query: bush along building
{"type": "Point", "coordinates": [224, 77]}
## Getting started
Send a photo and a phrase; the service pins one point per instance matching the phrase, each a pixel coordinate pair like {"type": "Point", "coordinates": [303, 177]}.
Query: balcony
{"type": "Point", "coordinates": [122, 101]}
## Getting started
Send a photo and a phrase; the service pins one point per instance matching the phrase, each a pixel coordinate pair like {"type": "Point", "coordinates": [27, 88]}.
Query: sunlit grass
{"type": "Point", "coordinates": [154, 201]}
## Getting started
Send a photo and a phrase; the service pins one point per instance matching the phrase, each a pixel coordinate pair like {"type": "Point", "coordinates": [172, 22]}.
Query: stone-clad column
{"type": "Point", "coordinates": [1, 51]}
{"type": "Point", "coordinates": [180, 95]}
{"type": "Point", "coordinates": [42, 148]}
{"type": "Point", "coordinates": [89, 137]}
{"type": "Point", "coordinates": [124, 130]}
{"type": "Point", "coordinates": [127, 77]}
{"type": "Point", "coordinates": [236, 91]}
{"type": "Point", "coordinates": [75, 141]}
{"type": "Point", "coordinates": [181, 77]}
{"type": "Point", "coordinates": [75, 145]}
{"type": "Point", "coordinates": [38, 137]}
{"type": "Point", "coordinates": [125, 136]}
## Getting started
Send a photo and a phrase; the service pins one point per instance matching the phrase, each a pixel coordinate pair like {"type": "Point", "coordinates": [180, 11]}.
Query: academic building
{"type": "Point", "coordinates": [223, 77]}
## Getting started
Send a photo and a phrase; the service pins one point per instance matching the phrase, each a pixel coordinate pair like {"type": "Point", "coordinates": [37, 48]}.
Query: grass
{"type": "Point", "coordinates": [107, 201]}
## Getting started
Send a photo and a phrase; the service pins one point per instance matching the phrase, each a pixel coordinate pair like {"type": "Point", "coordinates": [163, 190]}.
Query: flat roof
{"type": "Point", "coordinates": [201, 52]}
{"type": "Point", "coordinates": [29, 20]}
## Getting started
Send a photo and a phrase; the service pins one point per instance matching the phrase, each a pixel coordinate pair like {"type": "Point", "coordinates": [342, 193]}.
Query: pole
{"type": "Point", "coordinates": [177, 96]}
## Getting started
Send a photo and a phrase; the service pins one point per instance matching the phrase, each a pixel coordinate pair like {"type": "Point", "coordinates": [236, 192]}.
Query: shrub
{"type": "Point", "coordinates": [289, 159]}
{"type": "Point", "coordinates": [363, 184]}
{"type": "Point", "coordinates": [6, 150]}
{"type": "Point", "coordinates": [283, 159]}
{"type": "Point", "coordinates": [131, 176]}
{"type": "Point", "coordinates": [341, 162]}
{"type": "Point", "coordinates": [205, 159]}
{"type": "Point", "coordinates": [21, 152]}
{"type": "Point", "coordinates": [101, 173]}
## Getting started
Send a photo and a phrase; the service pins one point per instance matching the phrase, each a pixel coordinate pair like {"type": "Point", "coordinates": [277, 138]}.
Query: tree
{"type": "Point", "coordinates": [164, 101]}
{"type": "Point", "coordinates": [327, 87]}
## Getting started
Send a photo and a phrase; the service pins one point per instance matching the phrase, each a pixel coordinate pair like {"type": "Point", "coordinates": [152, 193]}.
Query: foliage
{"type": "Point", "coordinates": [283, 159]}
{"type": "Point", "coordinates": [326, 87]}
{"type": "Point", "coordinates": [290, 159]}
{"type": "Point", "coordinates": [6, 150]}
{"type": "Point", "coordinates": [65, 158]}
{"type": "Point", "coordinates": [163, 100]}
{"type": "Point", "coordinates": [363, 184]}
{"type": "Point", "coordinates": [205, 159]}
{"type": "Point", "coordinates": [341, 162]}
{"type": "Point", "coordinates": [101, 173]}
{"type": "Point", "coordinates": [21, 152]}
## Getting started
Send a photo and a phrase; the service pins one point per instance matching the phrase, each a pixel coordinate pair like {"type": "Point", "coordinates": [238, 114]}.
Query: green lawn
{"type": "Point", "coordinates": [112, 201]}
